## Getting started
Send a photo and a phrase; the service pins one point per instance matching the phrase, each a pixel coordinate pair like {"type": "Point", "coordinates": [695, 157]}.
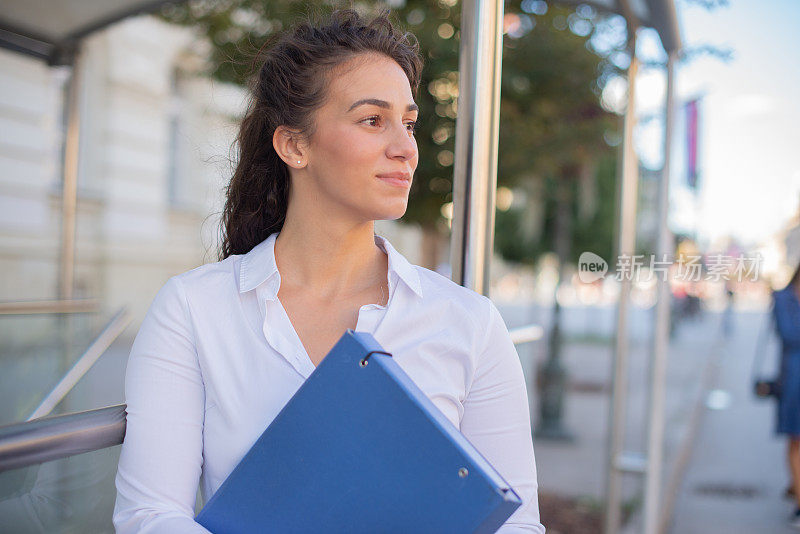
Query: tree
{"type": "Point", "coordinates": [553, 130]}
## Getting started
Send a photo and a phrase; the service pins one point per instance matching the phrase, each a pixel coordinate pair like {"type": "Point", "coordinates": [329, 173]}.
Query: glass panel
{"type": "Point", "coordinates": [36, 351]}
{"type": "Point", "coordinates": [104, 383]}
{"type": "Point", "coordinates": [77, 494]}
{"type": "Point", "coordinates": [71, 495]}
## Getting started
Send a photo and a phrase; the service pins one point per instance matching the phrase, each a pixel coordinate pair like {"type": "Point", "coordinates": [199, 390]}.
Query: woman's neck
{"type": "Point", "coordinates": [332, 260]}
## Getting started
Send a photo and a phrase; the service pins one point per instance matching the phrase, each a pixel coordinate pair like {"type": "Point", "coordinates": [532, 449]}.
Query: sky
{"type": "Point", "coordinates": [749, 138]}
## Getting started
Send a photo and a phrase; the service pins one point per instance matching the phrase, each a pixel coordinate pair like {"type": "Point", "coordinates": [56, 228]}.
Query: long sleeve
{"type": "Point", "coordinates": [787, 319]}
{"type": "Point", "coordinates": [497, 421]}
{"type": "Point", "coordinates": [162, 454]}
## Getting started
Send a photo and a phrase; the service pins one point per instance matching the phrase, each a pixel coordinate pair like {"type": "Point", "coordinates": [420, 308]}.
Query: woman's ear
{"type": "Point", "coordinates": [287, 144]}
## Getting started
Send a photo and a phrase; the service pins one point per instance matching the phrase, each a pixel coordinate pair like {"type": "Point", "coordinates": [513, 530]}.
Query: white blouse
{"type": "Point", "coordinates": [216, 358]}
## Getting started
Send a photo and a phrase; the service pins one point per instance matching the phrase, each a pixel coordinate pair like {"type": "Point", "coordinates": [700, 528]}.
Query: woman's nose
{"type": "Point", "coordinates": [402, 143]}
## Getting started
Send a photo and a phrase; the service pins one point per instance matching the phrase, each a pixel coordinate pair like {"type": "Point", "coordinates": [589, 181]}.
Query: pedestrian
{"type": "Point", "coordinates": [786, 310]}
{"type": "Point", "coordinates": [727, 314]}
{"type": "Point", "coordinates": [325, 149]}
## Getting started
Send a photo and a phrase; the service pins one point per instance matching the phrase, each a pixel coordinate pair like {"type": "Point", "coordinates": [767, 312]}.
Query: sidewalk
{"type": "Point", "coordinates": [736, 475]}
{"type": "Point", "coordinates": [578, 468]}
{"type": "Point", "coordinates": [733, 474]}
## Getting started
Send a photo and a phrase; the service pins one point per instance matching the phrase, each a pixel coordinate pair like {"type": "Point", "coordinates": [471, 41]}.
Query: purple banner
{"type": "Point", "coordinates": [691, 139]}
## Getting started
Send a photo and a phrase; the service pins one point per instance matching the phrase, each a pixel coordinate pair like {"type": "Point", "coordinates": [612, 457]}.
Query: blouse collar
{"type": "Point", "coordinates": [258, 267]}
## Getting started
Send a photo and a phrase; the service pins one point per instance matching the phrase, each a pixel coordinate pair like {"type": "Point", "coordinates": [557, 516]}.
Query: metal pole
{"type": "Point", "coordinates": [70, 181]}
{"type": "Point", "coordinates": [655, 436]}
{"type": "Point", "coordinates": [626, 246]}
{"type": "Point", "coordinates": [552, 376]}
{"type": "Point", "coordinates": [477, 124]}
{"type": "Point", "coordinates": [69, 191]}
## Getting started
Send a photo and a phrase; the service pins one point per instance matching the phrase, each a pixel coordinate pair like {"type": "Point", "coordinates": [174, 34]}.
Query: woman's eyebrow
{"type": "Point", "coordinates": [380, 103]}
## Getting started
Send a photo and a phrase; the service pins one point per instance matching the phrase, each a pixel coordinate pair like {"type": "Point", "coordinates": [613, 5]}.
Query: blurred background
{"type": "Point", "coordinates": [139, 111]}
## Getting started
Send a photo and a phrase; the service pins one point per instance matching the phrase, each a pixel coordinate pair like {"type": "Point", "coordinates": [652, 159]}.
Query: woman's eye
{"type": "Point", "coordinates": [375, 121]}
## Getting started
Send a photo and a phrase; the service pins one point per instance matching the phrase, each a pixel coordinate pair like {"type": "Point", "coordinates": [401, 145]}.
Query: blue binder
{"type": "Point", "coordinates": [360, 448]}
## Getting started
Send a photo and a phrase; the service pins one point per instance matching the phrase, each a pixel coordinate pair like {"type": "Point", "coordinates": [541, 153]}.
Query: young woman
{"type": "Point", "coordinates": [326, 148]}
{"type": "Point", "coordinates": [786, 310]}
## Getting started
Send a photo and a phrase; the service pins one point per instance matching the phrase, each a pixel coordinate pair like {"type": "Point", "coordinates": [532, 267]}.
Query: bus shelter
{"type": "Point", "coordinates": [52, 32]}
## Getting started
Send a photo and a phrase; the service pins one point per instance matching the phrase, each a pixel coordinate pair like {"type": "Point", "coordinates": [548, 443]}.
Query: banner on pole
{"type": "Point", "coordinates": [691, 140]}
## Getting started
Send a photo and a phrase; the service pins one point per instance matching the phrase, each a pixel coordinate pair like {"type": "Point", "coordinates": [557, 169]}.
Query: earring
{"type": "Point", "coordinates": [298, 161]}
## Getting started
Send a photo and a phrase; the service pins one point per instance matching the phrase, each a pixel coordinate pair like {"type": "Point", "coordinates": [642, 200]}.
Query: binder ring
{"type": "Point", "coordinates": [365, 360]}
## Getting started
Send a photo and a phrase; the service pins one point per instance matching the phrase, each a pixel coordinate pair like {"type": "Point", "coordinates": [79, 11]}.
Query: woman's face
{"type": "Point", "coordinates": [364, 131]}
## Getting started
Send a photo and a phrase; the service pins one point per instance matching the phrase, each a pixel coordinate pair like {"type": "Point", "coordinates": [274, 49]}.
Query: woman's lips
{"type": "Point", "coordinates": [397, 179]}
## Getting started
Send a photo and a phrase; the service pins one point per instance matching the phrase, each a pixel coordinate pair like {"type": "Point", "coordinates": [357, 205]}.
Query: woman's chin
{"type": "Point", "coordinates": [390, 213]}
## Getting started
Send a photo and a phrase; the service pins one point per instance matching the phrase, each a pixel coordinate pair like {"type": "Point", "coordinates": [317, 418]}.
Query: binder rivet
{"type": "Point", "coordinates": [363, 362]}
{"type": "Point", "coordinates": [463, 472]}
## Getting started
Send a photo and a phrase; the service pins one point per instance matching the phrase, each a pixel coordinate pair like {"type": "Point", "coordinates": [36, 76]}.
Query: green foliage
{"type": "Point", "coordinates": [593, 234]}
{"type": "Point", "coordinates": [236, 30]}
{"type": "Point", "coordinates": [550, 110]}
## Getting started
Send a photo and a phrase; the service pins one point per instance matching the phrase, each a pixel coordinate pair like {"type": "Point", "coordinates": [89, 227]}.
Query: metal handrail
{"type": "Point", "coordinates": [60, 436]}
{"type": "Point", "coordinates": [112, 330]}
{"type": "Point", "coordinates": [32, 307]}
{"type": "Point", "coordinates": [50, 438]}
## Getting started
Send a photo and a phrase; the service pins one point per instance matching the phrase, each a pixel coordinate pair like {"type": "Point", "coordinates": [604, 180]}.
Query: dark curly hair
{"type": "Point", "coordinates": [290, 85]}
